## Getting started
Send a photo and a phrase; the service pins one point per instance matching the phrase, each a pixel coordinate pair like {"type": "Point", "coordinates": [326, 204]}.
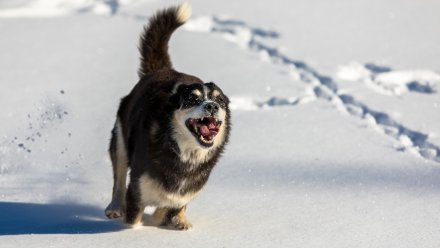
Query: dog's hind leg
{"type": "Point", "coordinates": [118, 155]}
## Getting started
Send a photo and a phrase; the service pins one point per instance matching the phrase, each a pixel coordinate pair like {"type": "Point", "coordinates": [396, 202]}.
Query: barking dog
{"type": "Point", "coordinates": [170, 132]}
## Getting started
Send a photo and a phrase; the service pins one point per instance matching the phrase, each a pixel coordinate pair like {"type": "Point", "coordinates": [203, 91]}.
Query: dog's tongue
{"type": "Point", "coordinates": [209, 130]}
{"type": "Point", "coordinates": [204, 130]}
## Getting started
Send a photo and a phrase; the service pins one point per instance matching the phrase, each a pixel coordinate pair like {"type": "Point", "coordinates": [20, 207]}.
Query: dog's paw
{"type": "Point", "coordinates": [180, 223]}
{"type": "Point", "coordinates": [114, 210]}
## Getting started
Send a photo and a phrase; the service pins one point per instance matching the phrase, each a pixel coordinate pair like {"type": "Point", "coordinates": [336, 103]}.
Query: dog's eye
{"type": "Point", "coordinates": [193, 98]}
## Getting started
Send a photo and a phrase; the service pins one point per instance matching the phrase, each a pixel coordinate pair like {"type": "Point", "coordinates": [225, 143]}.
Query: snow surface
{"type": "Point", "coordinates": [390, 82]}
{"type": "Point", "coordinates": [335, 139]}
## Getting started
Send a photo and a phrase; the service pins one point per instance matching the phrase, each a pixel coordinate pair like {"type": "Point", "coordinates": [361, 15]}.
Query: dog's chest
{"type": "Point", "coordinates": [153, 193]}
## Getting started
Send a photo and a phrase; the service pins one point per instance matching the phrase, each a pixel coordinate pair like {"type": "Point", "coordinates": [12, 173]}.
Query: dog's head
{"type": "Point", "coordinates": [201, 116]}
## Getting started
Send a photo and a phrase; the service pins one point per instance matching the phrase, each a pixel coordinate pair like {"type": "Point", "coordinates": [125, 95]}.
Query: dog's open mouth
{"type": "Point", "coordinates": [204, 129]}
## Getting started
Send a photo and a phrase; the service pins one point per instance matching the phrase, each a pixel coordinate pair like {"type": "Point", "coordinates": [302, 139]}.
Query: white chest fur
{"type": "Point", "coordinates": [153, 194]}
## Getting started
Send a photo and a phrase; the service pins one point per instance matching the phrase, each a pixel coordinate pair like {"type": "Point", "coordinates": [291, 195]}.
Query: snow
{"type": "Point", "coordinates": [389, 82]}
{"type": "Point", "coordinates": [324, 151]}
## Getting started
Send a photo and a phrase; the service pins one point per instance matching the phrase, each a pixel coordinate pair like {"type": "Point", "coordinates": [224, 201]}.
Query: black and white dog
{"type": "Point", "coordinates": [170, 132]}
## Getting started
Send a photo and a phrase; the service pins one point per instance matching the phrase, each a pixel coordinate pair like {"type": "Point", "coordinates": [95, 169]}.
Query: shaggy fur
{"type": "Point", "coordinates": [169, 133]}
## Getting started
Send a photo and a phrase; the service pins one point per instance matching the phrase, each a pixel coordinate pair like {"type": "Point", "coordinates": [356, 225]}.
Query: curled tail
{"type": "Point", "coordinates": [154, 40]}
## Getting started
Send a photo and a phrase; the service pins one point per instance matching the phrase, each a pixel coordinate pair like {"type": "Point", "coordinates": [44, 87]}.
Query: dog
{"type": "Point", "coordinates": [170, 131]}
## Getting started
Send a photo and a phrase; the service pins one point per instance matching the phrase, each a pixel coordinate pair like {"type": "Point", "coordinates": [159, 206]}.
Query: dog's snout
{"type": "Point", "coordinates": [212, 107]}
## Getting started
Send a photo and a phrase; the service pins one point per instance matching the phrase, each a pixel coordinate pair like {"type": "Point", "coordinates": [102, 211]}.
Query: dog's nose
{"type": "Point", "coordinates": [212, 107]}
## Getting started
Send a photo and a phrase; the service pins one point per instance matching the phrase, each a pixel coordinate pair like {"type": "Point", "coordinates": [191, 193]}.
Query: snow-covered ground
{"type": "Point", "coordinates": [336, 112]}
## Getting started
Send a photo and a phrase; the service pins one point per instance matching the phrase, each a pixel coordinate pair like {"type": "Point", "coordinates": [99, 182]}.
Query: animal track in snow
{"type": "Point", "coordinates": [247, 103]}
{"type": "Point", "coordinates": [324, 87]}
{"type": "Point", "coordinates": [386, 81]}
{"type": "Point", "coordinates": [408, 139]}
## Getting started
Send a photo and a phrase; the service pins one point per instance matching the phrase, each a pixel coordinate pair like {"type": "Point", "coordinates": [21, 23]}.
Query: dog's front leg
{"type": "Point", "coordinates": [134, 209]}
{"type": "Point", "coordinates": [172, 217]}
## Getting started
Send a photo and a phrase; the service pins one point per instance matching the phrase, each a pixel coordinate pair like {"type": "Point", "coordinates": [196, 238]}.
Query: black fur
{"type": "Point", "coordinates": [146, 119]}
{"type": "Point", "coordinates": [150, 102]}
{"type": "Point", "coordinates": [154, 41]}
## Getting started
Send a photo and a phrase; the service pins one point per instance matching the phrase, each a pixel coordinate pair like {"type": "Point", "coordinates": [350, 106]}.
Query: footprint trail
{"type": "Point", "coordinates": [322, 86]}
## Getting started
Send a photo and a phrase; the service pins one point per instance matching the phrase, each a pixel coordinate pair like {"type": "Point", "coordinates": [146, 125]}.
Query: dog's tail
{"type": "Point", "coordinates": [154, 40]}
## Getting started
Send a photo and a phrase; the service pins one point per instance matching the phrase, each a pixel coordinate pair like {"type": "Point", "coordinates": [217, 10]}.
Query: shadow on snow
{"type": "Point", "coordinates": [30, 218]}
